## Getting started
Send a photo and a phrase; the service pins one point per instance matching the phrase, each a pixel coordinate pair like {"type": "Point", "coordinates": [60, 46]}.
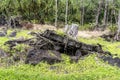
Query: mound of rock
{"type": "Point", "coordinates": [36, 56]}
{"type": "Point", "coordinates": [114, 61]}
{"type": "Point", "coordinates": [48, 47]}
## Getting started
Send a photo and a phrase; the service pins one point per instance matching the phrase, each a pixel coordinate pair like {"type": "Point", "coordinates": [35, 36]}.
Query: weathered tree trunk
{"type": "Point", "coordinates": [66, 15]}
{"type": "Point", "coordinates": [56, 9]}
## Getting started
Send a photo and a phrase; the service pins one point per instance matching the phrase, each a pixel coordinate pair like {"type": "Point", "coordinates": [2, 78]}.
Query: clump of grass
{"type": "Point", "coordinates": [60, 32]}
{"type": "Point", "coordinates": [113, 28]}
{"type": "Point", "coordinates": [89, 26]}
{"type": "Point", "coordinates": [86, 69]}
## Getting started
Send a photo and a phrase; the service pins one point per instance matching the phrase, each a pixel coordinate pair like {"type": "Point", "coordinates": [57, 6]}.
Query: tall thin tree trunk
{"type": "Point", "coordinates": [113, 12]}
{"type": "Point", "coordinates": [56, 13]}
{"type": "Point", "coordinates": [115, 16]}
{"type": "Point", "coordinates": [66, 13]}
{"type": "Point", "coordinates": [118, 31]}
{"type": "Point", "coordinates": [98, 12]}
{"type": "Point", "coordinates": [111, 18]}
{"type": "Point", "coordinates": [119, 22]}
{"type": "Point", "coordinates": [105, 13]}
{"type": "Point", "coordinates": [80, 12]}
{"type": "Point", "coordinates": [107, 17]}
{"type": "Point", "coordinates": [83, 12]}
{"type": "Point", "coordinates": [33, 9]}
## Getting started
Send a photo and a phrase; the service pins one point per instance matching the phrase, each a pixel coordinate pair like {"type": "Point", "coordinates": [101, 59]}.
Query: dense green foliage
{"type": "Point", "coordinates": [43, 11]}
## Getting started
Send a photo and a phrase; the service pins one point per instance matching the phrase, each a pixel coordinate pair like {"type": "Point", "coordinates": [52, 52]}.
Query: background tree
{"type": "Point", "coordinates": [98, 12]}
{"type": "Point", "coordinates": [105, 13]}
{"type": "Point", "coordinates": [66, 13]}
{"type": "Point", "coordinates": [82, 13]}
{"type": "Point", "coordinates": [118, 31]}
{"type": "Point", "coordinates": [56, 13]}
{"type": "Point", "coordinates": [63, 11]}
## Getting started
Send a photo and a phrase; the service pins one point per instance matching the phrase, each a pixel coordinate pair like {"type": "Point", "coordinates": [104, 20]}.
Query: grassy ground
{"type": "Point", "coordinates": [86, 69]}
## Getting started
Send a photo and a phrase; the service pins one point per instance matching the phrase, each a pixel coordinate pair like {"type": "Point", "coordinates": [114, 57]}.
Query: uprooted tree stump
{"type": "Point", "coordinates": [43, 44]}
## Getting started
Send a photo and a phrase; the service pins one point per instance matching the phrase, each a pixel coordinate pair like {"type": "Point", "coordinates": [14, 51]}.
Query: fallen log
{"type": "Point", "coordinates": [68, 43]}
{"type": "Point", "coordinates": [50, 40]}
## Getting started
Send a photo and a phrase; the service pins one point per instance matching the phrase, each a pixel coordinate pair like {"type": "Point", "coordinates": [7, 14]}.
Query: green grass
{"type": "Point", "coordinates": [86, 69]}
{"type": "Point", "coordinates": [22, 33]}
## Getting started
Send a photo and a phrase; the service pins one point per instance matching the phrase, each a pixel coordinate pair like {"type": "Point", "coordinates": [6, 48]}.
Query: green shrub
{"type": "Point", "coordinates": [89, 26]}
{"type": "Point", "coordinates": [113, 28]}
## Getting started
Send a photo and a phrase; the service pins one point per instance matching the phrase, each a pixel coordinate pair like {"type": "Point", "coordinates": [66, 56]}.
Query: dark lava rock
{"type": "Point", "coordinates": [36, 56]}
{"type": "Point", "coordinates": [19, 56]}
{"type": "Point", "coordinates": [2, 34]}
{"type": "Point", "coordinates": [2, 20]}
{"type": "Point", "coordinates": [13, 34]}
{"type": "Point", "coordinates": [2, 54]}
{"type": "Point", "coordinates": [112, 61]}
{"type": "Point", "coordinates": [74, 59]}
{"type": "Point", "coordinates": [16, 58]}
{"type": "Point", "coordinates": [15, 22]}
